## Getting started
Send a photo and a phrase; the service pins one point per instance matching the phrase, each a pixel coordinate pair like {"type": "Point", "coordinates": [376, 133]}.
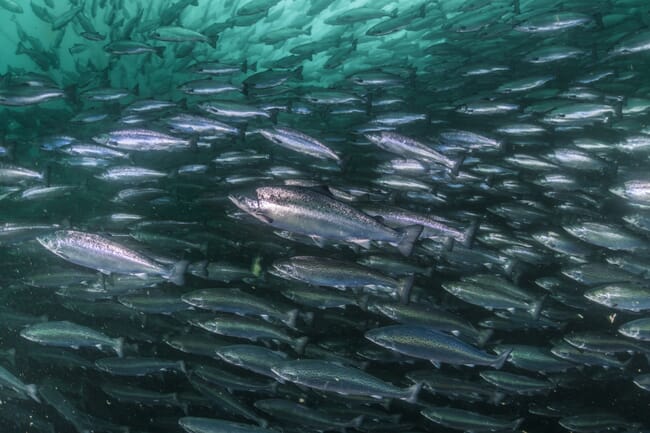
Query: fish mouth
{"type": "Point", "coordinates": [244, 203]}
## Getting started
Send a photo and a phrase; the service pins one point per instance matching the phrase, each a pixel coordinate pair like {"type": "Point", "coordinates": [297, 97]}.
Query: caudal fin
{"type": "Point", "coordinates": [290, 320]}
{"type": "Point", "coordinates": [404, 288]}
{"type": "Point", "coordinates": [470, 234]}
{"type": "Point", "coordinates": [516, 423]}
{"type": "Point", "coordinates": [32, 392]}
{"type": "Point", "coordinates": [536, 307]}
{"type": "Point", "coordinates": [118, 346]}
{"type": "Point", "coordinates": [413, 391]}
{"type": "Point", "coordinates": [501, 359]}
{"type": "Point", "coordinates": [409, 235]}
{"type": "Point", "coordinates": [299, 344]}
{"type": "Point", "coordinates": [483, 337]}
{"type": "Point", "coordinates": [356, 422]}
{"type": "Point", "coordinates": [455, 168]}
{"type": "Point", "coordinates": [177, 274]}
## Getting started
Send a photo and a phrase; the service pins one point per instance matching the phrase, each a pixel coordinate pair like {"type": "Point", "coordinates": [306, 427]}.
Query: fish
{"type": "Point", "coordinates": [96, 252]}
{"type": "Point", "coordinates": [435, 346]}
{"type": "Point", "coordinates": [180, 34]}
{"type": "Point", "coordinates": [316, 215]}
{"type": "Point", "coordinates": [350, 381]}
{"type": "Point", "coordinates": [469, 421]}
{"type": "Point", "coordinates": [321, 271]}
{"type": "Point", "coordinates": [68, 334]}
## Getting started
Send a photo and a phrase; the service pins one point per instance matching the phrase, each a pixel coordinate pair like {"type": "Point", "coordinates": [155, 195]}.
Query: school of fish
{"type": "Point", "coordinates": [258, 216]}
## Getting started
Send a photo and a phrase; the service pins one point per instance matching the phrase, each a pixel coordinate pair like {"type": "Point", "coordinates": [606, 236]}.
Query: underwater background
{"type": "Point", "coordinates": [298, 216]}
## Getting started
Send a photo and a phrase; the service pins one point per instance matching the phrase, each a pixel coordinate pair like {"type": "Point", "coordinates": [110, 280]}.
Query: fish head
{"type": "Point", "coordinates": [229, 356]}
{"type": "Point", "coordinates": [101, 138]}
{"type": "Point", "coordinates": [598, 296]}
{"type": "Point", "coordinates": [286, 372]}
{"type": "Point", "coordinates": [630, 331]}
{"type": "Point", "coordinates": [283, 269]}
{"type": "Point", "coordinates": [28, 334]}
{"type": "Point", "coordinates": [249, 205]}
{"type": "Point", "coordinates": [49, 242]}
{"type": "Point", "coordinates": [373, 137]}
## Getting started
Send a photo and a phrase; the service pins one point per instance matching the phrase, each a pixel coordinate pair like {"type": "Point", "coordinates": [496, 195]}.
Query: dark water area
{"type": "Point", "coordinates": [299, 216]}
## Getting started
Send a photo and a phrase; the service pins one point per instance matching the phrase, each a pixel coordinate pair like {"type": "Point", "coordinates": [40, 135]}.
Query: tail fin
{"type": "Point", "coordinates": [299, 344]}
{"type": "Point", "coordinates": [356, 422]}
{"type": "Point", "coordinates": [11, 355]}
{"type": "Point", "coordinates": [455, 168]}
{"type": "Point", "coordinates": [203, 248]}
{"type": "Point", "coordinates": [536, 307]}
{"type": "Point", "coordinates": [200, 269]}
{"type": "Point", "coordinates": [409, 235]}
{"type": "Point", "coordinates": [298, 72]}
{"type": "Point", "coordinates": [413, 392]}
{"type": "Point", "coordinates": [20, 49]}
{"type": "Point", "coordinates": [516, 423]}
{"type": "Point", "coordinates": [501, 359]}
{"type": "Point", "coordinates": [404, 288]}
{"type": "Point", "coordinates": [213, 41]}
{"type": "Point", "coordinates": [177, 274]}
{"type": "Point", "coordinates": [119, 347]}
{"type": "Point", "coordinates": [274, 117]}
{"type": "Point", "coordinates": [32, 392]}
{"type": "Point", "coordinates": [497, 398]}
{"type": "Point", "coordinates": [160, 51]}
{"type": "Point", "coordinates": [484, 336]}
{"type": "Point", "coordinates": [470, 233]}
{"type": "Point", "coordinates": [307, 317]}
{"type": "Point", "coordinates": [393, 13]}
{"type": "Point", "coordinates": [362, 302]}
{"type": "Point", "coordinates": [182, 367]}
{"type": "Point", "coordinates": [292, 315]}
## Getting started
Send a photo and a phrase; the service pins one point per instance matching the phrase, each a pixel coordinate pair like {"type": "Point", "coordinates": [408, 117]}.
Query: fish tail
{"type": "Point", "coordinates": [470, 234]}
{"type": "Point", "coordinates": [501, 359]}
{"type": "Point", "coordinates": [404, 288]}
{"type": "Point", "coordinates": [497, 398]}
{"type": "Point", "coordinates": [455, 168]}
{"type": "Point", "coordinates": [516, 423]}
{"type": "Point", "coordinates": [119, 346]}
{"type": "Point", "coordinates": [32, 392]}
{"type": "Point", "coordinates": [12, 356]}
{"type": "Point", "coordinates": [298, 72]}
{"type": "Point", "coordinates": [536, 307]}
{"type": "Point", "coordinates": [308, 318]}
{"type": "Point", "coordinates": [177, 274]}
{"type": "Point", "coordinates": [484, 336]}
{"type": "Point", "coordinates": [409, 235]}
{"type": "Point", "coordinates": [362, 302]}
{"type": "Point", "coordinates": [356, 422]}
{"type": "Point", "coordinates": [292, 315]}
{"type": "Point", "coordinates": [299, 344]}
{"type": "Point", "coordinates": [413, 392]}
